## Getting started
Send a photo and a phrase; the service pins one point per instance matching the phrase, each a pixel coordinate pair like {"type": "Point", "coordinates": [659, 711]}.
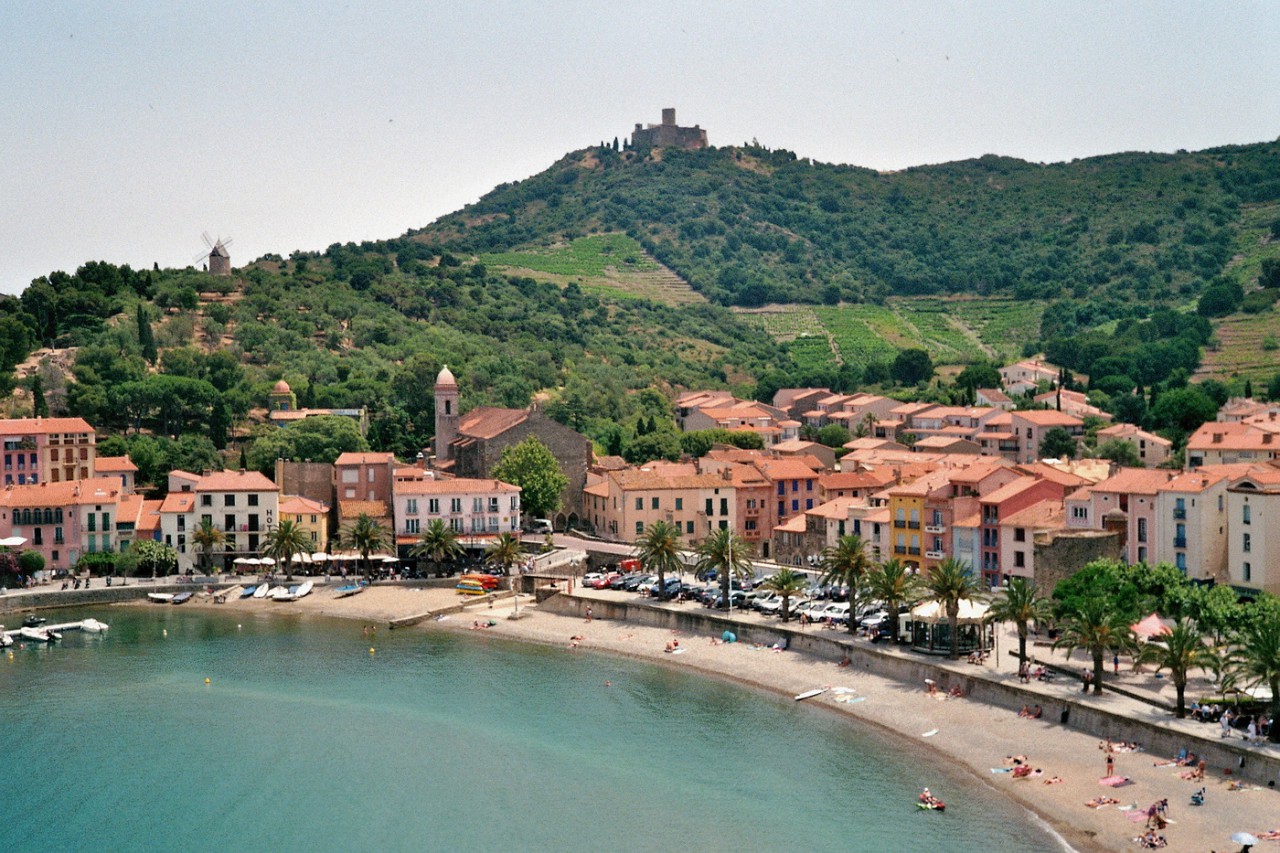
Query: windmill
{"type": "Point", "coordinates": [218, 256]}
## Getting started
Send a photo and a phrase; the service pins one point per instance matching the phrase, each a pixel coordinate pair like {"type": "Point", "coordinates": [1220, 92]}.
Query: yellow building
{"type": "Point", "coordinates": [311, 516]}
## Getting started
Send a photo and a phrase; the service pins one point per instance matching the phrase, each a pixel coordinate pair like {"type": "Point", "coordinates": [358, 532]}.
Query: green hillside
{"type": "Point", "coordinates": [750, 227]}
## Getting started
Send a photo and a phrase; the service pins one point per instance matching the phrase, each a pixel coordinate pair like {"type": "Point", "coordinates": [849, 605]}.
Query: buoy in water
{"type": "Point", "coordinates": [371, 651]}
{"type": "Point", "coordinates": [165, 631]}
{"type": "Point", "coordinates": [207, 681]}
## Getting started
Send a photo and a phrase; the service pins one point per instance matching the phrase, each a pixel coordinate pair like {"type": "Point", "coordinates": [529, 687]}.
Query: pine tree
{"type": "Point", "coordinates": [39, 406]}
{"type": "Point", "coordinates": [219, 425]}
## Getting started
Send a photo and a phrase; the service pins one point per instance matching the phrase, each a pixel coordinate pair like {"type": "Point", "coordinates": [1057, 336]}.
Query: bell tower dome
{"type": "Point", "coordinates": [446, 414]}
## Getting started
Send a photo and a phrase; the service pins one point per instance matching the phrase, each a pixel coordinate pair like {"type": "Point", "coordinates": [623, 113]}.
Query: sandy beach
{"type": "Point", "coordinates": [967, 734]}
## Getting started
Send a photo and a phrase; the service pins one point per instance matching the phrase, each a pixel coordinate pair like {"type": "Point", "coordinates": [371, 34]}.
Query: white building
{"type": "Point", "coordinates": [242, 504]}
{"type": "Point", "coordinates": [1253, 532]}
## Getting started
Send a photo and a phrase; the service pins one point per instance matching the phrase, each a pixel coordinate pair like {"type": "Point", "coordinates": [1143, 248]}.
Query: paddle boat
{"type": "Point", "coordinates": [182, 597]}
{"type": "Point", "coordinates": [161, 597]}
{"type": "Point", "coordinates": [93, 626]}
{"type": "Point", "coordinates": [928, 802]}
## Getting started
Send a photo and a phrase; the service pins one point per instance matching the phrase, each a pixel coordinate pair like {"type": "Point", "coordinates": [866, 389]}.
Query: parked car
{"type": "Point", "coordinates": [809, 607]}
{"type": "Point", "coordinates": [736, 598]}
{"type": "Point", "coordinates": [591, 577]}
{"type": "Point", "coordinates": [837, 612]}
{"type": "Point", "coordinates": [635, 581]}
{"type": "Point", "coordinates": [604, 581]}
{"type": "Point", "coordinates": [757, 600]}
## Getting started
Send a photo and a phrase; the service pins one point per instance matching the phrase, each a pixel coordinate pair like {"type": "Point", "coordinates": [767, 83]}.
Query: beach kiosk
{"type": "Point", "coordinates": [931, 633]}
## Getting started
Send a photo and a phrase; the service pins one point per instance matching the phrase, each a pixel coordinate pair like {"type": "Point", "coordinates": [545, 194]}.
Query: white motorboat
{"type": "Point", "coordinates": [93, 626]}
{"type": "Point", "coordinates": [38, 635]}
{"type": "Point", "coordinates": [161, 597]}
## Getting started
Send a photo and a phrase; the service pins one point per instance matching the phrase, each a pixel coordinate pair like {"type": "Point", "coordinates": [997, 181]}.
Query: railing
{"type": "Point", "coordinates": [1179, 541]}
{"type": "Point", "coordinates": [914, 525]}
{"type": "Point", "coordinates": [1180, 514]}
{"type": "Point", "coordinates": [935, 528]}
{"type": "Point", "coordinates": [936, 555]}
{"type": "Point", "coordinates": [899, 522]}
{"type": "Point", "coordinates": [913, 550]}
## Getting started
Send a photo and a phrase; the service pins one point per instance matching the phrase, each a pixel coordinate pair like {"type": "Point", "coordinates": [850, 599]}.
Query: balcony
{"type": "Point", "coordinates": [914, 525]}
{"type": "Point", "coordinates": [899, 523]}
{"type": "Point", "coordinates": [935, 528]}
{"type": "Point", "coordinates": [936, 555]}
{"type": "Point", "coordinates": [1179, 541]}
{"type": "Point", "coordinates": [914, 551]}
{"type": "Point", "coordinates": [1180, 514]}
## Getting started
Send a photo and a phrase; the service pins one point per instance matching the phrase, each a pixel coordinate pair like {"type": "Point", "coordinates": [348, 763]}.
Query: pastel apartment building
{"type": "Point", "coordinates": [312, 517]}
{"type": "Point", "coordinates": [244, 505]}
{"type": "Point", "coordinates": [1153, 450]}
{"type": "Point", "coordinates": [62, 521]}
{"type": "Point", "coordinates": [1253, 527]}
{"type": "Point", "coordinates": [46, 450]}
{"type": "Point", "coordinates": [1001, 504]}
{"type": "Point", "coordinates": [1026, 375]}
{"type": "Point", "coordinates": [1219, 443]}
{"type": "Point", "coordinates": [623, 504]}
{"type": "Point", "coordinates": [1124, 502]}
{"type": "Point", "coordinates": [1029, 429]}
{"type": "Point", "coordinates": [476, 509]}
{"type": "Point", "coordinates": [121, 467]}
{"type": "Point", "coordinates": [1191, 523]}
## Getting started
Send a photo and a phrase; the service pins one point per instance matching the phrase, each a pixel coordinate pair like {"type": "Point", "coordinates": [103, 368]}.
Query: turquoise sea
{"type": "Point", "coordinates": [305, 741]}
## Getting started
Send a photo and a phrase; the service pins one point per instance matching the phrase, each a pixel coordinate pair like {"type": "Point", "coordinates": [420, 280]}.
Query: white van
{"type": "Point", "coordinates": [540, 525]}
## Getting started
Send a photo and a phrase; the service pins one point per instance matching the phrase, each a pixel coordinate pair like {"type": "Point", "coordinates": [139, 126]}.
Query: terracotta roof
{"type": "Point", "coordinates": [1010, 489]}
{"type": "Point", "coordinates": [940, 441]}
{"type": "Point", "coordinates": [489, 421]}
{"type": "Point", "coordinates": [148, 519]}
{"type": "Point", "coordinates": [796, 524]}
{"type": "Point", "coordinates": [365, 459]}
{"type": "Point", "coordinates": [178, 502]}
{"type": "Point", "coordinates": [1048, 472]}
{"type": "Point", "coordinates": [635, 480]}
{"type": "Point", "coordinates": [444, 379]}
{"type": "Point", "coordinates": [879, 516]}
{"type": "Point", "coordinates": [1217, 435]}
{"type": "Point", "coordinates": [40, 426]}
{"type": "Point", "coordinates": [795, 445]}
{"type": "Point", "coordinates": [1003, 419]}
{"type": "Point", "coordinates": [459, 486]}
{"type": "Point", "coordinates": [1142, 481]}
{"type": "Point", "coordinates": [995, 395]}
{"type": "Point", "coordinates": [235, 481]}
{"type": "Point", "coordinates": [610, 463]}
{"type": "Point", "coordinates": [1046, 417]}
{"type": "Point", "coordinates": [837, 508]}
{"type": "Point", "coordinates": [353, 509]}
{"type": "Point", "coordinates": [297, 505]}
{"type": "Point", "coordinates": [600, 490]}
{"type": "Point", "coordinates": [873, 478]}
{"type": "Point", "coordinates": [281, 387]}
{"type": "Point", "coordinates": [1047, 514]}
{"type": "Point", "coordinates": [113, 465]}
{"type": "Point", "coordinates": [71, 493]}
{"type": "Point", "coordinates": [869, 443]}
{"type": "Point", "coordinates": [129, 509]}
{"type": "Point", "coordinates": [784, 397]}
{"type": "Point", "coordinates": [1123, 430]}
{"type": "Point", "coordinates": [977, 472]}
{"type": "Point", "coordinates": [785, 469]}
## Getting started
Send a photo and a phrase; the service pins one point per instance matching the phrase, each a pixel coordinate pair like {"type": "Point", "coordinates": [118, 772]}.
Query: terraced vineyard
{"type": "Point", "coordinates": [1239, 351]}
{"type": "Point", "coordinates": [953, 331]}
{"type": "Point", "coordinates": [611, 265]}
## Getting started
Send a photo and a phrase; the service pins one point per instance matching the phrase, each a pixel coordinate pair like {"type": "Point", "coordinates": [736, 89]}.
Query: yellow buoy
{"type": "Point", "coordinates": [166, 632]}
{"type": "Point", "coordinates": [207, 681]}
{"type": "Point", "coordinates": [371, 650]}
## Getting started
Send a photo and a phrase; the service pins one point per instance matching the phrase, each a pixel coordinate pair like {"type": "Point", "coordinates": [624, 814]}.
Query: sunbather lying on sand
{"type": "Point", "coordinates": [1099, 802]}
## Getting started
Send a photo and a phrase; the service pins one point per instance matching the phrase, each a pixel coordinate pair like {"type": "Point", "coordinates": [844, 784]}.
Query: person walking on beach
{"type": "Point", "coordinates": [588, 619]}
{"type": "Point", "coordinates": [1111, 763]}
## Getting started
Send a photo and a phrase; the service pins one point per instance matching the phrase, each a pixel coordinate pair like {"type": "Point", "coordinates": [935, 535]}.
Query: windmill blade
{"type": "Point", "coordinates": [208, 241]}
{"type": "Point", "coordinates": [225, 243]}
{"type": "Point", "coordinates": [200, 257]}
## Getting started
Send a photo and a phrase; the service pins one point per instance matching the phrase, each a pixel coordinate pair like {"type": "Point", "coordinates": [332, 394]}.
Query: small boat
{"type": "Point", "coordinates": [31, 620]}
{"type": "Point", "coordinates": [277, 591]}
{"type": "Point", "coordinates": [161, 597]}
{"type": "Point", "coordinates": [809, 694]}
{"type": "Point", "coordinates": [304, 589]}
{"type": "Point", "coordinates": [93, 626]}
{"type": "Point", "coordinates": [5, 639]}
{"type": "Point", "coordinates": [470, 588]}
{"type": "Point", "coordinates": [938, 806]}
{"type": "Point", "coordinates": [262, 590]}
{"type": "Point", "coordinates": [486, 581]}
{"type": "Point", "coordinates": [248, 592]}
{"type": "Point", "coordinates": [38, 635]}
{"type": "Point", "coordinates": [348, 589]}
{"type": "Point", "coordinates": [289, 594]}
{"type": "Point", "coordinates": [182, 597]}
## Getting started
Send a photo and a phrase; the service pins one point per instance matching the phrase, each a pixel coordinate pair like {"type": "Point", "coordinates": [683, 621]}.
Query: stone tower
{"type": "Point", "coordinates": [446, 414]}
{"type": "Point", "coordinates": [219, 259]}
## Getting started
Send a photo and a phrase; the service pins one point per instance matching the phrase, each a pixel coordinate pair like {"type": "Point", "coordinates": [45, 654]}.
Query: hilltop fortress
{"type": "Point", "coordinates": [669, 134]}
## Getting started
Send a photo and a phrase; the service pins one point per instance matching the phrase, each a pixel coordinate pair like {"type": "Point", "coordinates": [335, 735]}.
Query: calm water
{"type": "Point", "coordinates": [305, 741]}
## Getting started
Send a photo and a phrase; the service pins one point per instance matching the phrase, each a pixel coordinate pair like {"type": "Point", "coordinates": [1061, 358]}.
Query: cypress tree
{"type": "Point", "coordinates": [145, 338]}
{"type": "Point", "coordinates": [39, 406]}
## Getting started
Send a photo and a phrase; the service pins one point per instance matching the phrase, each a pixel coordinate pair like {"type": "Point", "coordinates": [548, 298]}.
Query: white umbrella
{"type": "Point", "coordinates": [389, 559]}
{"type": "Point", "coordinates": [267, 561]}
{"type": "Point", "coordinates": [241, 560]}
{"type": "Point", "coordinates": [12, 542]}
{"type": "Point", "coordinates": [319, 557]}
{"type": "Point", "coordinates": [1244, 838]}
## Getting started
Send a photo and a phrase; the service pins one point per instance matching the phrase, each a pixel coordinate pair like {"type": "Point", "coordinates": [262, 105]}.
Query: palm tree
{"type": "Point", "coordinates": [206, 536]}
{"type": "Point", "coordinates": [1097, 627]}
{"type": "Point", "coordinates": [949, 583]}
{"type": "Point", "coordinates": [846, 564]}
{"type": "Point", "coordinates": [286, 541]}
{"type": "Point", "coordinates": [786, 583]}
{"type": "Point", "coordinates": [895, 585]}
{"type": "Point", "coordinates": [505, 551]}
{"type": "Point", "coordinates": [729, 555]}
{"type": "Point", "coordinates": [438, 543]}
{"type": "Point", "coordinates": [1022, 604]}
{"type": "Point", "coordinates": [1181, 650]}
{"type": "Point", "coordinates": [365, 535]}
{"type": "Point", "coordinates": [658, 548]}
{"type": "Point", "coordinates": [1256, 660]}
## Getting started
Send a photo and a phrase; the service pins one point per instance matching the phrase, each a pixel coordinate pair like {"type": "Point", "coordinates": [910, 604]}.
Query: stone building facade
{"type": "Point", "coordinates": [669, 134]}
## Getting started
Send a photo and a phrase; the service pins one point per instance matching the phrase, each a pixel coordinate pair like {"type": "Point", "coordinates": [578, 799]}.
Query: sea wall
{"type": "Point", "coordinates": [1149, 729]}
{"type": "Point", "coordinates": [100, 594]}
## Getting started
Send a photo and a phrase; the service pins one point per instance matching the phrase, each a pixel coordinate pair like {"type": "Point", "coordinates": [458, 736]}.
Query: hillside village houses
{"type": "Point", "coordinates": [920, 482]}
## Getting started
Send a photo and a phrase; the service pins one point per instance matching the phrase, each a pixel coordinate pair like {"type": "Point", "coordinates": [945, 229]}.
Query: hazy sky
{"type": "Point", "coordinates": [128, 128]}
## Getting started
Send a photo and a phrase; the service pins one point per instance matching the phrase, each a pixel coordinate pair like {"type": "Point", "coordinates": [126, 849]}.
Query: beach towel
{"type": "Point", "coordinates": [1114, 781]}
{"type": "Point", "coordinates": [1001, 769]}
{"type": "Point", "coordinates": [849, 700]}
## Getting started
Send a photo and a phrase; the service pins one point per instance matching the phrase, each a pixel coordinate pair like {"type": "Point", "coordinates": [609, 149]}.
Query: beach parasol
{"type": "Point", "coordinates": [267, 561]}
{"type": "Point", "coordinates": [12, 541]}
{"type": "Point", "coordinates": [1244, 838]}
{"type": "Point", "coordinates": [1150, 626]}
{"type": "Point", "coordinates": [389, 559]}
{"type": "Point", "coordinates": [319, 557]}
{"type": "Point", "coordinates": [241, 560]}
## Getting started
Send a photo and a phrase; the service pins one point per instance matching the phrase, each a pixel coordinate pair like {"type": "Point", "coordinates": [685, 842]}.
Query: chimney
{"type": "Point", "coordinates": [1266, 437]}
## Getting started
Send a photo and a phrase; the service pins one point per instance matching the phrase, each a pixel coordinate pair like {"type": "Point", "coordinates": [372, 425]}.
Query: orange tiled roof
{"type": "Point", "coordinates": [1047, 514]}
{"type": "Point", "coordinates": [1045, 417]}
{"type": "Point", "coordinates": [235, 481]}
{"type": "Point", "coordinates": [461, 485]}
{"type": "Point", "coordinates": [365, 459]}
{"type": "Point", "coordinates": [113, 465]}
{"type": "Point", "coordinates": [490, 421]}
{"type": "Point", "coordinates": [42, 426]}
{"type": "Point", "coordinates": [72, 493]}
{"type": "Point", "coordinates": [298, 505]}
{"type": "Point", "coordinates": [352, 509]}
{"type": "Point", "coordinates": [1143, 481]}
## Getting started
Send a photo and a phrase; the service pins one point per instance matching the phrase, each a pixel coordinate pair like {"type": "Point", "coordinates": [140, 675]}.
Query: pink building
{"type": "Point", "coordinates": [62, 521]}
{"type": "Point", "coordinates": [478, 510]}
{"type": "Point", "coordinates": [46, 450]}
{"type": "Point", "coordinates": [1125, 502]}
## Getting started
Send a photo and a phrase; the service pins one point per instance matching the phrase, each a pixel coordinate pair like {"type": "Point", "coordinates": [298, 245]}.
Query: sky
{"type": "Point", "coordinates": [127, 129]}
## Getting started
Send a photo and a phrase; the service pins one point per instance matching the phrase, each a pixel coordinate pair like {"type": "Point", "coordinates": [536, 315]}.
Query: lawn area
{"type": "Point", "coordinates": [588, 257]}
